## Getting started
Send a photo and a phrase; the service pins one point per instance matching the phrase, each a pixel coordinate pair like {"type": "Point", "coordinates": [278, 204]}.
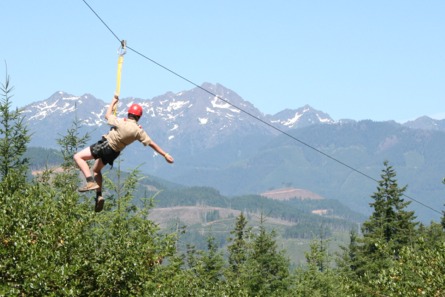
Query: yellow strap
{"type": "Point", "coordinates": [120, 61]}
{"type": "Point", "coordinates": [121, 51]}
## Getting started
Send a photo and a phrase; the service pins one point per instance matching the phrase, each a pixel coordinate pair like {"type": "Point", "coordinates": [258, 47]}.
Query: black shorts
{"type": "Point", "coordinates": [102, 150]}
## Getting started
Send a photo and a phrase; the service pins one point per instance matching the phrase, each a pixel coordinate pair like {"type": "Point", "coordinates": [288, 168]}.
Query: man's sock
{"type": "Point", "coordinates": [90, 179]}
{"type": "Point", "coordinates": [98, 193]}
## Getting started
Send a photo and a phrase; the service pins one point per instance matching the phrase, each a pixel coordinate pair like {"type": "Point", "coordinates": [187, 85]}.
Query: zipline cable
{"type": "Point", "coordinates": [105, 24]}
{"type": "Point", "coordinates": [252, 115]}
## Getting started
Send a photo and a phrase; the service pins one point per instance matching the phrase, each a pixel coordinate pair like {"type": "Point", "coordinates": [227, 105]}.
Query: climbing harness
{"type": "Point", "coordinates": [121, 51]}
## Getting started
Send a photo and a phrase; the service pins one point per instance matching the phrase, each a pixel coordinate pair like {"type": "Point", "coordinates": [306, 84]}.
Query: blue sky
{"type": "Point", "coordinates": [378, 60]}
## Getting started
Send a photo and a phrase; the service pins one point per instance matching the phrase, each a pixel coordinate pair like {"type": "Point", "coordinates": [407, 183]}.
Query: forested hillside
{"type": "Point", "coordinates": [52, 243]}
{"type": "Point", "coordinates": [205, 211]}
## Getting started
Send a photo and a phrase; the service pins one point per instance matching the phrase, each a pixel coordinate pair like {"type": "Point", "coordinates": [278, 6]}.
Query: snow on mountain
{"type": "Point", "coordinates": [212, 112]}
{"type": "Point", "coordinates": [301, 117]}
{"type": "Point", "coordinates": [62, 106]}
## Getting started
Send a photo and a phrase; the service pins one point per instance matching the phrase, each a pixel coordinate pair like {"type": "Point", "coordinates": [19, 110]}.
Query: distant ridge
{"type": "Point", "coordinates": [291, 193]}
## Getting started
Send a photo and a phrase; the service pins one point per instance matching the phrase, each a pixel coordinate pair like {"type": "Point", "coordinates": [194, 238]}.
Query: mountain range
{"type": "Point", "coordinates": [233, 147]}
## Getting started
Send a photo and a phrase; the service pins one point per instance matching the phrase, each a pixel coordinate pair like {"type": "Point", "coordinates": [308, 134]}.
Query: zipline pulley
{"type": "Point", "coordinates": [122, 50]}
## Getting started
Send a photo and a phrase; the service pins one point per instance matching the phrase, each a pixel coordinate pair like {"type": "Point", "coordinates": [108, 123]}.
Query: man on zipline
{"type": "Point", "coordinates": [105, 151]}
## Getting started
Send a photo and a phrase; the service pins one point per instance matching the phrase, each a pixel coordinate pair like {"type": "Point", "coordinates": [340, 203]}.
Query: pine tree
{"type": "Point", "coordinates": [390, 227]}
{"type": "Point", "coordinates": [267, 268]}
{"type": "Point", "coordinates": [14, 135]}
{"type": "Point", "coordinates": [442, 221]}
{"type": "Point", "coordinates": [238, 246]}
{"type": "Point", "coordinates": [71, 143]}
{"type": "Point", "coordinates": [317, 257]}
{"type": "Point", "coordinates": [347, 260]}
{"type": "Point", "coordinates": [318, 278]}
{"type": "Point", "coordinates": [213, 261]}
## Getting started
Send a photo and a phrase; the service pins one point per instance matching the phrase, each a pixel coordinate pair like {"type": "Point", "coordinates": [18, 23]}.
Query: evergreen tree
{"type": "Point", "coordinates": [204, 272]}
{"type": "Point", "coordinates": [238, 246]}
{"type": "Point", "coordinates": [347, 260]}
{"type": "Point", "coordinates": [14, 135]}
{"type": "Point", "coordinates": [318, 278]}
{"type": "Point", "coordinates": [317, 257]}
{"type": "Point", "coordinates": [71, 143]}
{"type": "Point", "coordinates": [213, 261]}
{"type": "Point", "coordinates": [267, 269]}
{"type": "Point", "coordinates": [390, 227]}
{"type": "Point", "coordinates": [442, 221]}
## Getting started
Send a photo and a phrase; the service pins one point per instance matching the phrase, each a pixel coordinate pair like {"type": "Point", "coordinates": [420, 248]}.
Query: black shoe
{"type": "Point", "coordinates": [99, 204]}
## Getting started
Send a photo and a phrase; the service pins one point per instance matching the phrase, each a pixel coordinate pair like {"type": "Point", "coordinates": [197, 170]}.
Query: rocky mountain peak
{"type": "Point", "coordinates": [301, 117]}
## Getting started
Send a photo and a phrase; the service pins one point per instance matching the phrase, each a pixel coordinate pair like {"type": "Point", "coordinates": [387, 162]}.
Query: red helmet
{"type": "Point", "coordinates": [135, 109]}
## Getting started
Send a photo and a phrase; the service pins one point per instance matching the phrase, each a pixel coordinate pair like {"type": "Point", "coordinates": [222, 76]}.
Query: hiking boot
{"type": "Point", "coordinates": [89, 187]}
{"type": "Point", "coordinates": [99, 204]}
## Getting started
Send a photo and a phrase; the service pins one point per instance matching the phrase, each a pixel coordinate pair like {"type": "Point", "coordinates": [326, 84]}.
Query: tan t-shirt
{"type": "Point", "coordinates": [124, 133]}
